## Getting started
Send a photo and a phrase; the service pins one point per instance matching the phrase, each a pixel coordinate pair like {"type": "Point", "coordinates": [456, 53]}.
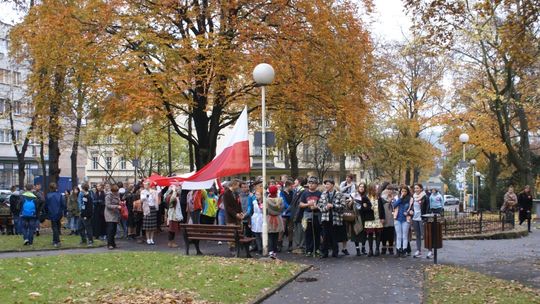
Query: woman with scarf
{"type": "Point", "coordinates": [150, 205]}
{"type": "Point", "coordinates": [387, 197]}
{"type": "Point", "coordinates": [420, 207]}
{"type": "Point", "coordinates": [374, 220]}
{"type": "Point", "coordinates": [361, 203]}
{"type": "Point", "coordinates": [112, 214]}
{"type": "Point", "coordinates": [274, 206]}
{"type": "Point", "coordinates": [256, 211]}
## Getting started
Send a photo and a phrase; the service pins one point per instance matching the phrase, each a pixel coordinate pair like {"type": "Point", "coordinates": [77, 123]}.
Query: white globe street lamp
{"type": "Point", "coordinates": [263, 75]}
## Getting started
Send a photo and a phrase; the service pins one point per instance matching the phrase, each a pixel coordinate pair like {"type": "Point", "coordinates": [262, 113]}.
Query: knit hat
{"type": "Point", "coordinates": [272, 191]}
{"type": "Point", "coordinates": [313, 179]}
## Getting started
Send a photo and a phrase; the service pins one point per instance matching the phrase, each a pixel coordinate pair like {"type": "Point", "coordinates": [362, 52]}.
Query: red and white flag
{"type": "Point", "coordinates": [231, 160]}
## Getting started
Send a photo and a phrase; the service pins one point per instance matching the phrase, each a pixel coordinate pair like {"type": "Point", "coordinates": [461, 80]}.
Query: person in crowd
{"type": "Point", "coordinates": [174, 213]}
{"type": "Point", "coordinates": [244, 196]}
{"type": "Point", "coordinates": [221, 207]}
{"type": "Point", "coordinates": [387, 235]}
{"type": "Point", "coordinates": [233, 208]}
{"type": "Point", "coordinates": [297, 215]}
{"type": "Point", "coordinates": [40, 204]}
{"type": "Point", "coordinates": [15, 202]}
{"type": "Point", "coordinates": [209, 206]}
{"type": "Point", "coordinates": [86, 209]}
{"type": "Point", "coordinates": [29, 214]}
{"type": "Point", "coordinates": [331, 205]}
{"type": "Point", "coordinates": [348, 186]}
{"type": "Point", "coordinates": [402, 222]}
{"type": "Point", "coordinates": [112, 214]}
{"type": "Point", "coordinates": [509, 205]}
{"type": "Point", "coordinates": [193, 203]}
{"type": "Point", "coordinates": [274, 208]}
{"type": "Point", "coordinates": [73, 210]}
{"type": "Point", "coordinates": [130, 199]}
{"type": "Point", "coordinates": [374, 220]}
{"type": "Point", "coordinates": [359, 201]}
{"type": "Point", "coordinates": [138, 215]}
{"type": "Point", "coordinates": [99, 224]}
{"type": "Point", "coordinates": [311, 221]}
{"type": "Point", "coordinates": [123, 221]}
{"type": "Point", "coordinates": [420, 207]}
{"type": "Point", "coordinates": [436, 202]}
{"type": "Point", "coordinates": [525, 201]}
{"type": "Point", "coordinates": [257, 218]}
{"type": "Point", "coordinates": [286, 195]}
{"type": "Point", "coordinates": [150, 205]}
{"type": "Point", "coordinates": [55, 205]}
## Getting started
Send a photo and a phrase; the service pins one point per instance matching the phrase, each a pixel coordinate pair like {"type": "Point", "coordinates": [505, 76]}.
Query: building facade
{"type": "Point", "coordinates": [14, 102]}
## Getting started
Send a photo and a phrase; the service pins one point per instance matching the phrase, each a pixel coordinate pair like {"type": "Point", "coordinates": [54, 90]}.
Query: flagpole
{"type": "Point", "coordinates": [263, 74]}
{"type": "Point", "coordinates": [265, 221]}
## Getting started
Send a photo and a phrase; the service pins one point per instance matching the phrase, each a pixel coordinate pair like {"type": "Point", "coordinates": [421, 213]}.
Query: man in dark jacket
{"type": "Point", "coordinates": [15, 208]}
{"type": "Point", "coordinates": [86, 206]}
{"type": "Point", "coordinates": [525, 202]}
{"type": "Point", "coordinates": [29, 214]}
{"type": "Point", "coordinates": [55, 205]}
{"type": "Point", "coordinates": [233, 208]}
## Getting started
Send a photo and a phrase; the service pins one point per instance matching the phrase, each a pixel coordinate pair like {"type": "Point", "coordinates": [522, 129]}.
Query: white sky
{"type": "Point", "coordinates": [390, 20]}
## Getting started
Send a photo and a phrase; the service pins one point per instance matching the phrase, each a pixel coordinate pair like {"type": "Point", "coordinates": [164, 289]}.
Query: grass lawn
{"type": "Point", "coordinates": [138, 277]}
{"type": "Point", "coordinates": [448, 284]}
{"type": "Point", "coordinates": [44, 241]}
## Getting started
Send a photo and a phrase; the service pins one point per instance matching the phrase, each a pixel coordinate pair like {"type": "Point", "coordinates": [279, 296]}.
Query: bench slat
{"type": "Point", "coordinates": [205, 230]}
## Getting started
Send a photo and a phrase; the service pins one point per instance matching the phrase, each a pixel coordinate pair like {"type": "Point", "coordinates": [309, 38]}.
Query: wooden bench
{"type": "Point", "coordinates": [196, 232]}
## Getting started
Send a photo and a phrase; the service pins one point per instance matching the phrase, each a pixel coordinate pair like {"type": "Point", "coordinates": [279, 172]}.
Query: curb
{"type": "Point", "coordinates": [53, 249]}
{"type": "Point", "coordinates": [282, 284]}
{"type": "Point", "coordinates": [510, 234]}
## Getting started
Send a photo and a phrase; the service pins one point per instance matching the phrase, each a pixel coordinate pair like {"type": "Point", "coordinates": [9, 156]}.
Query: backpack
{"type": "Point", "coordinates": [28, 208]}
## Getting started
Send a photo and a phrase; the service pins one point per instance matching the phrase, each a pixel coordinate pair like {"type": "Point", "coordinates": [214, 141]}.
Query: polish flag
{"type": "Point", "coordinates": [231, 160]}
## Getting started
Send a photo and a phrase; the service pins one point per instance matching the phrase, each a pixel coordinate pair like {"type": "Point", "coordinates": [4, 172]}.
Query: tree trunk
{"type": "Point", "coordinates": [190, 147]}
{"type": "Point", "coordinates": [55, 128]}
{"type": "Point", "coordinates": [494, 169]}
{"type": "Point", "coordinates": [43, 164]}
{"type": "Point", "coordinates": [416, 175]}
{"type": "Point", "coordinates": [76, 138]}
{"type": "Point", "coordinates": [293, 157]}
{"type": "Point", "coordinates": [408, 176]}
{"type": "Point", "coordinates": [342, 169]}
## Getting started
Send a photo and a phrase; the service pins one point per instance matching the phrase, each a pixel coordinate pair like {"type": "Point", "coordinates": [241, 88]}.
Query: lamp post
{"type": "Point", "coordinates": [478, 175]}
{"type": "Point", "coordinates": [263, 74]}
{"type": "Point", "coordinates": [136, 128]}
{"type": "Point", "coordinates": [464, 138]}
{"type": "Point", "coordinates": [473, 164]}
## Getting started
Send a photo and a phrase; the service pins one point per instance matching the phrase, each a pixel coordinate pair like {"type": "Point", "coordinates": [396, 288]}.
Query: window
{"type": "Point", "coordinates": [109, 139]}
{"type": "Point", "coordinates": [95, 162]}
{"type": "Point", "coordinates": [2, 105]}
{"type": "Point", "coordinates": [10, 77]}
{"type": "Point", "coordinates": [5, 136]}
{"type": "Point", "coordinates": [123, 163]}
{"type": "Point", "coordinates": [108, 162]}
{"type": "Point", "coordinates": [17, 107]}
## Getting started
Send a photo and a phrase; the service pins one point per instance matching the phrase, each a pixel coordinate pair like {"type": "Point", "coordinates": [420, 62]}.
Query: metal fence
{"type": "Point", "coordinates": [476, 222]}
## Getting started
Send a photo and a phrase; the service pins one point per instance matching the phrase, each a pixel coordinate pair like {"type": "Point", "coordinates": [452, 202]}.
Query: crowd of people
{"type": "Point", "coordinates": [315, 219]}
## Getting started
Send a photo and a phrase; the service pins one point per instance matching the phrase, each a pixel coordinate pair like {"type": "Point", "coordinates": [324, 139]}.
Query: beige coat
{"type": "Point", "coordinates": [112, 213]}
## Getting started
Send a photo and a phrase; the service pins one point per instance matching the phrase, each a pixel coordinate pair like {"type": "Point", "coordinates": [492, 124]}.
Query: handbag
{"type": "Point", "coordinates": [349, 216]}
{"type": "Point", "coordinates": [124, 213]}
{"type": "Point", "coordinates": [304, 224]}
